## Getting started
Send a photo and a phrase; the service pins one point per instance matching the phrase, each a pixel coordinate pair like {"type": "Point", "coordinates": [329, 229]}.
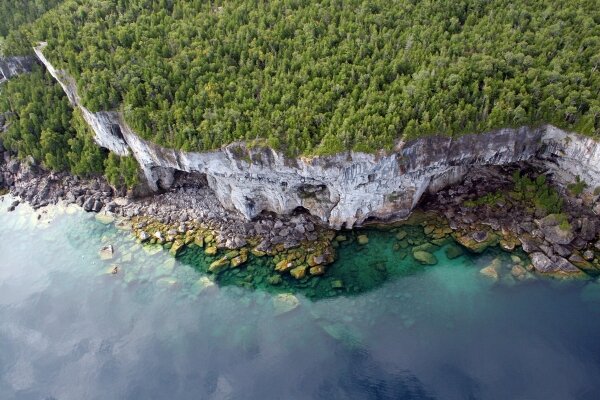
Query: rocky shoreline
{"type": "Point", "coordinates": [189, 213]}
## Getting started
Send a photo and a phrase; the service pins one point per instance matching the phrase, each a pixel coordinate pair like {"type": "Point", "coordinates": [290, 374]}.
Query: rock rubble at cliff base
{"type": "Point", "coordinates": [302, 246]}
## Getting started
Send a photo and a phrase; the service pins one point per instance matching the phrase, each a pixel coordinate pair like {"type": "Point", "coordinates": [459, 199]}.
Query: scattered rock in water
{"type": "Point", "coordinates": [401, 235]}
{"type": "Point", "coordinates": [337, 284]}
{"type": "Point", "coordinates": [143, 236]}
{"type": "Point", "coordinates": [518, 272]}
{"type": "Point", "coordinates": [453, 252]}
{"type": "Point", "coordinates": [558, 265]}
{"type": "Point", "coordinates": [284, 266]}
{"type": "Point", "coordinates": [317, 270]}
{"type": "Point", "coordinates": [581, 263]}
{"type": "Point", "coordinates": [341, 238]}
{"type": "Point", "coordinates": [105, 218]}
{"type": "Point", "coordinates": [211, 250]}
{"type": "Point", "coordinates": [107, 252]}
{"type": "Point", "coordinates": [204, 285]}
{"type": "Point", "coordinates": [425, 257]}
{"type": "Point", "coordinates": [491, 271]}
{"type": "Point", "coordinates": [362, 239]}
{"type": "Point", "coordinates": [219, 265]}
{"type": "Point", "coordinates": [239, 260]}
{"type": "Point", "coordinates": [275, 280]}
{"type": "Point", "coordinates": [508, 244]}
{"type": "Point", "coordinates": [115, 269]}
{"type": "Point", "coordinates": [283, 303]}
{"type": "Point", "coordinates": [588, 255]}
{"type": "Point", "coordinates": [177, 247]}
{"type": "Point", "coordinates": [477, 241]}
{"type": "Point", "coordinates": [299, 272]}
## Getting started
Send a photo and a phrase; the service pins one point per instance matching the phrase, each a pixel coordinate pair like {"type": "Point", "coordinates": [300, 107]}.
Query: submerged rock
{"type": "Point", "coordinates": [107, 252]}
{"type": "Point", "coordinates": [477, 241]}
{"type": "Point", "coordinates": [425, 257]}
{"type": "Point", "coordinates": [219, 265]}
{"type": "Point", "coordinates": [284, 303]}
{"type": "Point", "coordinates": [299, 272]}
{"type": "Point", "coordinates": [453, 252]}
{"type": "Point", "coordinates": [557, 265]}
{"type": "Point", "coordinates": [362, 239]}
{"type": "Point", "coordinates": [204, 285]}
{"type": "Point", "coordinates": [491, 271]}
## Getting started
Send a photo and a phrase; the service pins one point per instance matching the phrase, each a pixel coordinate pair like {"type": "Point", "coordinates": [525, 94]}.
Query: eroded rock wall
{"type": "Point", "coordinates": [345, 189]}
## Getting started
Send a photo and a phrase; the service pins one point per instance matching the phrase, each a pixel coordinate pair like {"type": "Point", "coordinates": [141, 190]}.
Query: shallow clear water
{"type": "Point", "coordinates": [71, 330]}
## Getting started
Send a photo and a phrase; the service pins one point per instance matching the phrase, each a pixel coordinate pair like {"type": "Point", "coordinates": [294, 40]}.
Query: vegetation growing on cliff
{"type": "Point", "coordinates": [42, 124]}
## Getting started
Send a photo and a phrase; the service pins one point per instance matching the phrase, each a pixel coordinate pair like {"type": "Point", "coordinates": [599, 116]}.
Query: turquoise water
{"type": "Point", "coordinates": [161, 329]}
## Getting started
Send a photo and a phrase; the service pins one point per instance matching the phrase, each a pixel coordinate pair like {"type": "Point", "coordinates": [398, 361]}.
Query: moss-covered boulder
{"type": "Point", "coordinates": [453, 252]}
{"type": "Point", "coordinates": [362, 239]}
{"type": "Point", "coordinates": [477, 241]}
{"type": "Point", "coordinates": [284, 265]}
{"type": "Point", "coordinates": [210, 250]}
{"type": "Point", "coordinates": [425, 257]}
{"type": "Point", "coordinates": [177, 247]}
{"type": "Point", "coordinates": [299, 272]}
{"type": "Point", "coordinates": [219, 265]}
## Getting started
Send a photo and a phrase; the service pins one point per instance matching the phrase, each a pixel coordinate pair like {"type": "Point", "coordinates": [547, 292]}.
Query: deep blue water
{"type": "Point", "coordinates": [71, 330]}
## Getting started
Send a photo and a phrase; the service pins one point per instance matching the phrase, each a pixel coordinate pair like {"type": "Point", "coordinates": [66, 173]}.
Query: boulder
{"type": "Point", "coordinates": [107, 252]}
{"type": "Point", "coordinates": [363, 239]}
{"type": "Point", "coordinates": [424, 257]}
{"type": "Point", "coordinates": [518, 272]}
{"type": "Point", "coordinates": [143, 236]}
{"type": "Point", "coordinates": [284, 303]}
{"type": "Point", "coordinates": [317, 270]}
{"type": "Point", "coordinates": [299, 272]}
{"type": "Point", "coordinates": [581, 263]}
{"type": "Point", "coordinates": [274, 280]}
{"type": "Point", "coordinates": [211, 250]}
{"type": "Point", "coordinates": [555, 232]}
{"type": "Point", "coordinates": [477, 241]}
{"type": "Point", "coordinates": [541, 262]}
{"type": "Point", "coordinates": [545, 265]}
{"type": "Point", "coordinates": [219, 265]}
{"type": "Point", "coordinates": [453, 252]}
{"type": "Point", "coordinates": [588, 229]}
{"type": "Point", "coordinates": [178, 245]}
{"type": "Point", "coordinates": [88, 205]}
{"type": "Point", "coordinates": [203, 286]}
{"type": "Point", "coordinates": [239, 260]}
{"type": "Point", "coordinates": [529, 243]}
{"type": "Point", "coordinates": [284, 266]}
{"type": "Point", "coordinates": [401, 235]}
{"type": "Point", "coordinates": [491, 271]}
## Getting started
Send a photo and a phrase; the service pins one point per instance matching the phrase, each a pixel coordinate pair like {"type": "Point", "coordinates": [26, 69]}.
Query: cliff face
{"type": "Point", "coordinates": [13, 66]}
{"type": "Point", "coordinates": [346, 189]}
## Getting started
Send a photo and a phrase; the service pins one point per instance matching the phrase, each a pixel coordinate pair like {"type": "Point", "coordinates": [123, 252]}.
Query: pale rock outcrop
{"type": "Point", "coordinates": [13, 66]}
{"type": "Point", "coordinates": [345, 189]}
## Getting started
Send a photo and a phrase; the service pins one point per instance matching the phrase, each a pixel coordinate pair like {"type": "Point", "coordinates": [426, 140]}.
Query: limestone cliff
{"type": "Point", "coordinates": [346, 189]}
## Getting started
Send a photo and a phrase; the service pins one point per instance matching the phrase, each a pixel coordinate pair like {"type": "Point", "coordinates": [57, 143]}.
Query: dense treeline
{"type": "Point", "coordinates": [322, 76]}
{"type": "Point", "coordinates": [14, 15]}
{"type": "Point", "coordinates": [43, 125]}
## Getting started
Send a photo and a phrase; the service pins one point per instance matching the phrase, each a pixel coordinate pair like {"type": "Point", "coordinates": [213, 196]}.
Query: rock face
{"type": "Point", "coordinates": [13, 66]}
{"type": "Point", "coordinates": [346, 189]}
